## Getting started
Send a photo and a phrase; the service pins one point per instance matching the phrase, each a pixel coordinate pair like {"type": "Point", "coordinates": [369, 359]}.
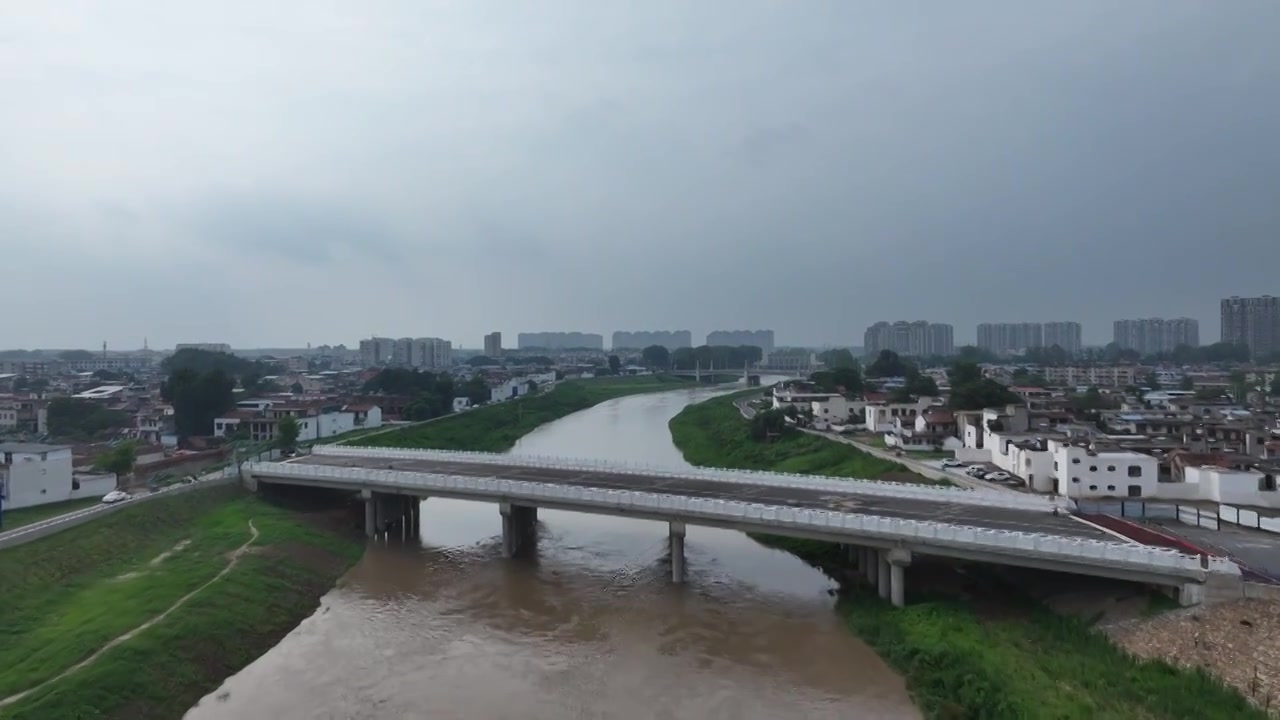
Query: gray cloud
{"type": "Point", "coordinates": [452, 168]}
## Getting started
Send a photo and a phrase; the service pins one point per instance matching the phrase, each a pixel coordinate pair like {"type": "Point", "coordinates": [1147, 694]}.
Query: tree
{"type": "Point", "coordinates": [1275, 385]}
{"type": "Point", "coordinates": [75, 355]}
{"type": "Point", "coordinates": [768, 423]}
{"type": "Point", "coordinates": [287, 432]}
{"type": "Point", "coordinates": [118, 460]}
{"type": "Point", "coordinates": [75, 418]}
{"type": "Point", "coordinates": [1239, 386]}
{"type": "Point", "coordinates": [1151, 381]}
{"type": "Point", "coordinates": [614, 364]}
{"type": "Point", "coordinates": [656, 357]}
{"type": "Point", "coordinates": [887, 364]}
{"type": "Point", "coordinates": [921, 385]}
{"type": "Point", "coordinates": [476, 390]}
{"type": "Point", "coordinates": [837, 358]}
{"type": "Point", "coordinates": [533, 387]}
{"type": "Point", "coordinates": [963, 373]}
{"type": "Point", "coordinates": [482, 361]}
{"type": "Point", "coordinates": [1187, 383]}
{"type": "Point", "coordinates": [198, 398]}
{"type": "Point", "coordinates": [296, 388]}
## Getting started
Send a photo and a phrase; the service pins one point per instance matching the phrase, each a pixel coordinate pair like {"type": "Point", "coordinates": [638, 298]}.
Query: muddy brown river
{"type": "Point", "coordinates": [590, 627]}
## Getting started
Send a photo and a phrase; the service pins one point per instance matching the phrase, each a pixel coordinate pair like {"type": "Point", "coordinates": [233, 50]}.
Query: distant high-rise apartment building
{"type": "Point", "coordinates": [1252, 321]}
{"type": "Point", "coordinates": [377, 351]}
{"type": "Point", "coordinates": [559, 341]}
{"type": "Point", "coordinates": [1149, 336]}
{"type": "Point", "coordinates": [670, 339]}
{"type": "Point", "coordinates": [493, 344]}
{"type": "Point", "coordinates": [919, 338]}
{"type": "Point", "coordinates": [207, 347]}
{"type": "Point", "coordinates": [1065, 334]}
{"type": "Point", "coordinates": [1001, 338]}
{"type": "Point", "coordinates": [762, 339]}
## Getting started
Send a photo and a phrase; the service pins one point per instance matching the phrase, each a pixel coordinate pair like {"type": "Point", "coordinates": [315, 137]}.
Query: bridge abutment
{"type": "Point", "coordinates": [519, 528]}
{"type": "Point", "coordinates": [676, 531]}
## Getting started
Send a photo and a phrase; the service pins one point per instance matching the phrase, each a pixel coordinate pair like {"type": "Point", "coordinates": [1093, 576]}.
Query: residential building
{"type": "Point", "coordinates": [1252, 321]}
{"type": "Point", "coordinates": [1150, 336]}
{"type": "Point", "coordinates": [1005, 338]}
{"type": "Point", "coordinates": [762, 339]}
{"type": "Point", "coordinates": [880, 415]}
{"type": "Point", "coordinates": [933, 429]}
{"type": "Point", "coordinates": [1065, 334]}
{"type": "Point", "coordinates": [35, 474]}
{"type": "Point", "coordinates": [790, 361]}
{"type": "Point", "coordinates": [919, 338]}
{"type": "Point", "coordinates": [559, 341]}
{"type": "Point", "coordinates": [315, 421]}
{"type": "Point", "coordinates": [207, 347]}
{"type": "Point", "coordinates": [377, 351]}
{"type": "Point", "coordinates": [493, 344]}
{"type": "Point", "coordinates": [639, 340]}
{"type": "Point", "coordinates": [1100, 375]}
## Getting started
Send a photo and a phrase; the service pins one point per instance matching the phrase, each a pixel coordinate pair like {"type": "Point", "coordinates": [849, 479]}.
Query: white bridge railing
{"type": "Point", "coordinates": [771, 517]}
{"type": "Point", "coordinates": [842, 486]}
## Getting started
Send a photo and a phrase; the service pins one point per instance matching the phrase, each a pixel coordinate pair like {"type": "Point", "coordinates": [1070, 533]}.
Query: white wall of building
{"type": "Point", "coordinates": [1119, 474]}
{"type": "Point", "coordinates": [1215, 484]}
{"type": "Point", "coordinates": [36, 478]}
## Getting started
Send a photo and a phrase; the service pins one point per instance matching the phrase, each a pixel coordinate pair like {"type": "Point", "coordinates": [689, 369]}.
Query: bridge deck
{"type": "Point", "coordinates": [908, 509]}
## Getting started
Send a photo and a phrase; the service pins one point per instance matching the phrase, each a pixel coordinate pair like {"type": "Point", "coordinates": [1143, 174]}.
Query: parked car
{"type": "Point", "coordinates": [976, 471]}
{"type": "Point", "coordinates": [998, 476]}
{"type": "Point", "coordinates": [115, 496]}
{"type": "Point", "coordinates": [952, 463]}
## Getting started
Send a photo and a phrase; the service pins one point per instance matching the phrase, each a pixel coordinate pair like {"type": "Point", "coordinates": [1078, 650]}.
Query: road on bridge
{"type": "Point", "coordinates": [940, 510]}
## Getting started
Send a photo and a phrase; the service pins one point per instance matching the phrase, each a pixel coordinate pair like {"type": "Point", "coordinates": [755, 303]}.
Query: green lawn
{"type": "Point", "coordinates": [496, 428]}
{"type": "Point", "coordinates": [714, 434]}
{"type": "Point", "coordinates": [14, 519]}
{"type": "Point", "coordinates": [68, 595]}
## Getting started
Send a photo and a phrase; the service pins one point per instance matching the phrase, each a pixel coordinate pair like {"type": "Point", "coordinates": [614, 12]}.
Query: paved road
{"type": "Point", "coordinates": [1257, 549]}
{"type": "Point", "coordinates": [910, 509]}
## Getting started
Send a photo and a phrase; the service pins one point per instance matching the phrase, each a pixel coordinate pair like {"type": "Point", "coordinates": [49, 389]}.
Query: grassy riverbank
{"type": "Point", "coordinates": [1019, 662]}
{"type": "Point", "coordinates": [67, 596]}
{"type": "Point", "coordinates": [496, 428]}
{"type": "Point", "coordinates": [14, 519]}
{"type": "Point", "coordinates": [714, 434]}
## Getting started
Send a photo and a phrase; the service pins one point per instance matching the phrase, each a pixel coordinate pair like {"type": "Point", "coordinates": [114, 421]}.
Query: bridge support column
{"type": "Point", "coordinates": [519, 528]}
{"type": "Point", "coordinates": [898, 560]}
{"type": "Point", "coordinates": [884, 580]}
{"type": "Point", "coordinates": [675, 533]}
{"type": "Point", "coordinates": [370, 513]}
{"type": "Point", "coordinates": [1191, 593]}
{"type": "Point", "coordinates": [869, 565]}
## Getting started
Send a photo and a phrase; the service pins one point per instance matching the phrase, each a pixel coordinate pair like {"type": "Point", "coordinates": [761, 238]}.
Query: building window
{"type": "Point", "coordinates": [1075, 461]}
{"type": "Point", "coordinates": [1135, 471]}
{"type": "Point", "coordinates": [1267, 483]}
{"type": "Point", "coordinates": [1111, 488]}
{"type": "Point", "coordinates": [1135, 491]}
{"type": "Point", "coordinates": [1111, 468]}
{"type": "Point", "coordinates": [1055, 464]}
{"type": "Point", "coordinates": [1093, 468]}
{"type": "Point", "coordinates": [1075, 480]}
{"type": "Point", "coordinates": [1093, 487]}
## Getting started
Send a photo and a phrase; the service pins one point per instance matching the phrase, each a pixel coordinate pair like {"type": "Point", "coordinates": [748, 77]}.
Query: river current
{"type": "Point", "coordinates": [442, 626]}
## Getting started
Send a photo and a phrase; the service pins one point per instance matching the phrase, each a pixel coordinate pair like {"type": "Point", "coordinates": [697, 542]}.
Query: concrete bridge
{"type": "Point", "coordinates": [883, 525]}
{"type": "Point", "coordinates": [748, 373]}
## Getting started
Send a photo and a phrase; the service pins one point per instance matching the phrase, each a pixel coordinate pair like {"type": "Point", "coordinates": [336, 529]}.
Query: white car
{"type": "Point", "coordinates": [115, 496]}
{"type": "Point", "coordinates": [976, 471]}
{"type": "Point", "coordinates": [952, 463]}
{"type": "Point", "coordinates": [998, 476]}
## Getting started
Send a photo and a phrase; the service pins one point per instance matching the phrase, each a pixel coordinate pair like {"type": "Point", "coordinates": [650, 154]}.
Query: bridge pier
{"type": "Point", "coordinates": [869, 565]}
{"type": "Point", "coordinates": [884, 579]}
{"type": "Point", "coordinates": [675, 534]}
{"type": "Point", "coordinates": [519, 528]}
{"type": "Point", "coordinates": [898, 559]}
{"type": "Point", "coordinates": [370, 514]}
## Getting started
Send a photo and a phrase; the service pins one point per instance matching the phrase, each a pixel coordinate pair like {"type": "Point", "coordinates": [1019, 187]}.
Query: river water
{"type": "Point", "coordinates": [591, 627]}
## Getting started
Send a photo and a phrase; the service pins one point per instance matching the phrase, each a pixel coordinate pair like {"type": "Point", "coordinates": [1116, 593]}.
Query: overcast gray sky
{"type": "Point", "coordinates": [278, 173]}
